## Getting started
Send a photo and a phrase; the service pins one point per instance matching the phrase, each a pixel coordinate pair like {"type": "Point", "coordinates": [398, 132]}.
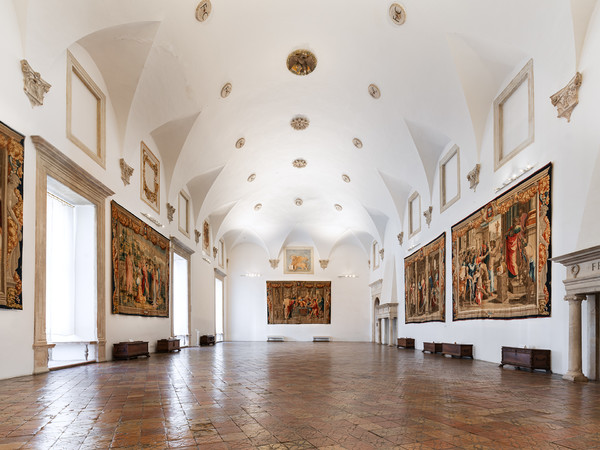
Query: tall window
{"type": "Point", "coordinates": [219, 316]}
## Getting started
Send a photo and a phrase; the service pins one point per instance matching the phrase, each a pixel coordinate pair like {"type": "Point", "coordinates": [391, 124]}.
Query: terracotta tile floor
{"type": "Point", "coordinates": [297, 396]}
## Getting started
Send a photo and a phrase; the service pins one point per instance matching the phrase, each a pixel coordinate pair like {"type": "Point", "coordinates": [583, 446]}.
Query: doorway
{"type": "Point", "coordinates": [219, 307]}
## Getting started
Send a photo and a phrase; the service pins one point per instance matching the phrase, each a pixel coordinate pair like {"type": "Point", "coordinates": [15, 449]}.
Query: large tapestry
{"type": "Point", "coordinates": [140, 266]}
{"type": "Point", "coordinates": [11, 218]}
{"type": "Point", "coordinates": [424, 275]}
{"type": "Point", "coordinates": [298, 302]}
{"type": "Point", "coordinates": [500, 254]}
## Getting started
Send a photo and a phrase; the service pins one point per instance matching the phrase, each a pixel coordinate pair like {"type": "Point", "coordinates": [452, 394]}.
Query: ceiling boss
{"type": "Point", "coordinates": [301, 62]}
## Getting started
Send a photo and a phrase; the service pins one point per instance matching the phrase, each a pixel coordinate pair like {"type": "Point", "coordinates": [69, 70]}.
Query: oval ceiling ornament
{"type": "Point", "coordinates": [251, 178]}
{"type": "Point", "coordinates": [298, 202]}
{"type": "Point", "coordinates": [226, 90]}
{"type": "Point", "coordinates": [397, 13]}
{"type": "Point", "coordinates": [374, 91]}
{"type": "Point", "coordinates": [301, 62]}
{"type": "Point", "coordinates": [240, 143]}
{"type": "Point", "coordinates": [338, 207]}
{"type": "Point", "coordinates": [299, 163]}
{"type": "Point", "coordinates": [346, 178]}
{"type": "Point", "coordinates": [357, 142]}
{"type": "Point", "coordinates": [300, 123]}
{"type": "Point", "coordinates": [203, 10]}
{"type": "Point", "coordinates": [257, 206]}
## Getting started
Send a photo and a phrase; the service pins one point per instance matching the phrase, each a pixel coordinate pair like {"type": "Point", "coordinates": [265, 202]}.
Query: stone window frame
{"type": "Point", "coordinates": [444, 202]}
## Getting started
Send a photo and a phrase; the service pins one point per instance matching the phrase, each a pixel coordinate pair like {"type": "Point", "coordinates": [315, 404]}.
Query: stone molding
{"type": "Point", "coordinates": [567, 98]}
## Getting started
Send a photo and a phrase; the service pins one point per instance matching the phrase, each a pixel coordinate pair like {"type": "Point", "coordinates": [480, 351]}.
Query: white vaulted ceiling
{"type": "Point", "coordinates": [438, 74]}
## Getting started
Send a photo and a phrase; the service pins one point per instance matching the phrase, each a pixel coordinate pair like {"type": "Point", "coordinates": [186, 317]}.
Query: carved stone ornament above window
{"type": "Point", "coordinates": [240, 143]}
{"type": "Point", "coordinates": [170, 212]}
{"type": "Point", "coordinates": [33, 84]}
{"type": "Point", "coordinates": [401, 237]}
{"type": "Point", "coordinates": [299, 163]}
{"type": "Point", "coordinates": [300, 123]}
{"type": "Point", "coordinates": [324, 263]}
{"type": "Point", "coordinates": [274, 263]}
{"type": "Point", "coordinates": [357, 142]}
{"type": "Point", "coordinates": [301, 62]}
{"type": "Point", "coordinates": [197, 235]}
{"type": "Point", "coordinates": [226, 90]}
{"type": "Point", "coordinates": [126, 171]}
{"type": "Point", "coordinates": [567, 98]}
{"type": "Point", "coordinates": [427, 215]}
{"type": "Point", "coordinates": [397, 13]}
{"type": "Point", "coordinates": [374, 91]}
{"type": "Point", "coordinates": [203, 10]}
{"type": "Point", "coordinates": [473, 177]}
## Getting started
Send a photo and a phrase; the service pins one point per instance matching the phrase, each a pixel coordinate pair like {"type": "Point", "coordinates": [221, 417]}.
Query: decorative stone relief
{"type": "Point", "coordinates": [274, 263]}
{"type": "Point", "coordinates": [197, 235]}
{"type": "Point", "coordinates": [401, 237]}
{"type": "Point", "coordinates": [381, 253]}
{"type": "Point", "coordinates": [300, 123]}
{"type": "Point", "coordinates": [215, 252]}
{"type": "Point", "coordinates": [357, 142]}
{"type": "Point", "coordinates": [298, 202]}
{"type": "Point", "coordinates": [203, 10]}
{"type": "Point", "coordinates": [567, 98]}
{"type": "Point", "coordinates": [170, 212]}
{"type": "Point", "coordinates": [346, 178]}
{"type": "Point", "coordinates": [126, 171]}
{"type": "Point", "coordinates": [369, 263]}
{"type": "Point", "coordinates": [397, 14]}
{"type": "Point", "coordinates": [33, 84]}
{"type": "Point", "coordinates": [226, 90]}
{"type": "Point", "coordinates": [301, 62]}
{"type": "Point", "coordinates": [299, 163]}
{"type": "Point", "coordinates": [240, 143]}
{"type": "Point", "coordinates": [374, 91]}
{"type": "Point", "coordinates": [473, 176]}
{"type": "Point", "coordinates": [251, 178]}
{"type": "Point", "coordinates": [338, 207]}
{"type": "Point", "coordinates": [257, 206]}
{"type": "Point", "coordinates": [427, 215]}
{"type": "Point", "coordinates": [324, 263]}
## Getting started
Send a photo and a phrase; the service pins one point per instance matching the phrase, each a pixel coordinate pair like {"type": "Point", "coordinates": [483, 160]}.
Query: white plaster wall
{"type": "Point", "coordinates": [246, 308]}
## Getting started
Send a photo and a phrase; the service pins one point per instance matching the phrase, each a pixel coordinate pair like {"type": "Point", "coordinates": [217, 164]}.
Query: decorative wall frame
{"type": "Point", "coordinates": [221, 254]}
{"type": "Point", "coordinates": [376, 254]}
{"type": "Point", "coordinates": [33, 85]}
{"type": "Point", "coordinates": [11, 218]}
{"type": "Point", "coordinates": [149, 177]}
{"type": "Point", "coordinates": [445, 201]}
{"type": "Point", "coordinates": [414, 213]}
{"type": "Point", "coordinates": [183, 217]}
{"type": "Point", "coordinates": [298, 302]}
{"type": "Point", "coordinates": [298, 260]}
{"type": "Point", "coordinates": [98, 152]}
{"type": "Point", "coordinates": [424, 281]}
{"type": "Point", "coordinates": [206, 237]}
{"type": "Point", "coordinates": [140, 266]}
{"type": "Point", "coordinates": [501, 154]}
{"type": "Point", "coordinates": [500, 267]}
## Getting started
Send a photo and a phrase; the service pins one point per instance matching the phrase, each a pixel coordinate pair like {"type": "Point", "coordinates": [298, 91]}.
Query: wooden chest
{"type": "Point", "coordinates": [406, 342]}
{"type": "Point", "coordinates": [167, 345]}
{"type": "Point", "coordinates": [432, 347]}
{"type": "Point", "coordinates": [458, 350]}
{"type": "Point", "coordinates": [528, 358]}
{"type": "Point", "coordinates": [128, 350]}
{"type": "Point", "coordinates": [207, 339]}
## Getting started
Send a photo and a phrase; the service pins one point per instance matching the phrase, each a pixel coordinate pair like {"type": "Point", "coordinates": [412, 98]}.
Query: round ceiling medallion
{"type": "Point", "coordinates": [301, 62]}
{"type": "Point", "coordinates": [298, 202]}
{"type": "Point", "coordinates": [397, 13]}
{"type": "Point", "coordinates": [299, 163]}
{"type": "Point", "coordinates": [251, 178]}
{"type": "Point", "coordinates": [374, 91]}
{"type": "Point", "coordinates": [357, 142]}
{"type": "Point", "coordinates": [240, 143]}
{"type": "Point", "coordinates": [346, 178]}
{"type": "Point", "coordinates": [300, 123]}
{"type": "Point", "coordinates": [257, 206]}
{"type": "Point", "coordinates": [338, 206]}
{"type": "Point", "coordinates": [203, 10]}
{"type": "Point", "coordinates": [226, 90]}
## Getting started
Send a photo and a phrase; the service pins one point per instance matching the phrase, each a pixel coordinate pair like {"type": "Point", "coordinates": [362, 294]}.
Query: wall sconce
{"type": "Point", "coordinates": [153, 220]}
{"type": "Point", "coordinates": [350, 275]}
{"type": "Point", "coordinates": [412, 247]}
{"type": "Point", "coordinates": [514, 177]}
{"type": "Point", "coordinates": [251, 275]}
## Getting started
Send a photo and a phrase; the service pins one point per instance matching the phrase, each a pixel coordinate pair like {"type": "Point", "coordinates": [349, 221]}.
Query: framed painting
{"type": "Point", "coordinates": [298, 302]}
{"type": "Point", "coordinates": [424, 281]}
{"type": "Point", "coordinates": [206, 237]}
{"type": "Point", "coordinates": [140, 266]}
{"type": "Point", "coordinates": [11, 218]}
{"type": "Point", "coordinates": [150, 174]}
{"type": "Point", "coordinates": [500, 267]}
{"type": "Point", "coordinates": [298, 260]}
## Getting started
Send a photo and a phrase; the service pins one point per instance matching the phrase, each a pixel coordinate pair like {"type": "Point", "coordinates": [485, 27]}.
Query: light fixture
{"type": "Point", "coordinates": [153, 220]}
{"type": "Point", "coordinates": [514, 177]}
{"type": "Point", "coordinates": [251, 275]}
{"type": "Point", "coordinates": [412, 247]}
{"type": "Point", "coordinates": [348, 275]}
